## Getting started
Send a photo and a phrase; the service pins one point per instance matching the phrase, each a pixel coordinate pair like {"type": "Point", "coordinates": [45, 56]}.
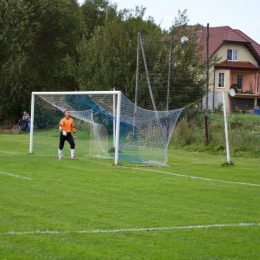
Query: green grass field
{"type": "Point", "coordinates": [90, 209]}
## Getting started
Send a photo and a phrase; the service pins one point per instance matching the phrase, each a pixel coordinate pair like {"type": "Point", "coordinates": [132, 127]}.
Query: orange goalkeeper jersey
{"type": "Point", "coordinates": [67, 125]}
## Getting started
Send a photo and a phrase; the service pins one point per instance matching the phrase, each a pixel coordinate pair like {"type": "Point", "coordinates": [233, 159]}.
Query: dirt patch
{"type": "Point", "coordinates": [7, 131]}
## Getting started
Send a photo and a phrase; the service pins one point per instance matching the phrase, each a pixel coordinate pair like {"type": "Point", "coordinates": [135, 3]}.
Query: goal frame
{"type": "Point", "coordinates": [116, 113]}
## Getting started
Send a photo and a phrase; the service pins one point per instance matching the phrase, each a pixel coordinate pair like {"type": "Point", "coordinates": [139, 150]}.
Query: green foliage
{"type": "Point", "coordinates": [39, 39]}
{"type": "Point", "coordinates": [219, 109]}
{"type": "Point", "coordinates": [95, 13]}
{"type": "Point", "coordinates": [187, 73]}
{"type": "Point", "coordinates": [234, 86]}
{"type": "Point", "coordinates": [182, 19]}
{"type": "Point", "coordinates": [243, 134]}
{"type": "Point", "coordinates": [57, 45]}
{"type": "Point", "coordinates": [188, 77]}
{"type": "Point", "coordinates": [108, 59]}
{"type": "Point", "coordinates": [183, 134]}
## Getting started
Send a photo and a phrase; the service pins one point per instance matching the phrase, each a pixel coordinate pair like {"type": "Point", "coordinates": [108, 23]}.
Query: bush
{"type": "Point", "coordinates": [184, 131]}
{"type": "Point", "coordinates": [244, 130]}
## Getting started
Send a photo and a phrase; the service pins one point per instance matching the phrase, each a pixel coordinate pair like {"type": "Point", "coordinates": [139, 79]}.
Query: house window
{"type": "Point", "coordinates": [232, 55]}
{"type": "Point", "coordinates": [239, 82]}
{"type": "Point", "coordinates": [221, 77]}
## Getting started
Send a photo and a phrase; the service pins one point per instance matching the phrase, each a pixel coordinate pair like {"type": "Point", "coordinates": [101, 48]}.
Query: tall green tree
{"type": "Point", "coordinates": [108, 59]}
{"type": "Point", "coordinates": [39, 41]}
{"type": "Point", "coordinates": [18, 33]}
{"type": "Point", "coordinates": [187, 78]}
{"type": "Point", "coordinates": [95, 13]}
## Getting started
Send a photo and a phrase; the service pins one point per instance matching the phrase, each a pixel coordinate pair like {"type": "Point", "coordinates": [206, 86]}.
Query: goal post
{"type": "Point", "coordinates": [61, 106]}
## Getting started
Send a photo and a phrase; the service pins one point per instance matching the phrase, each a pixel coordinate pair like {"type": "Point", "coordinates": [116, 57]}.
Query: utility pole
{"type": "Point", "coordinates": [137, 78]}
{"type": "Point", "coordinates": [207, 88]}
{"type": "Point", "coordinates": [147, 75]}
{"type": "Point", "coordinates": [169, 73]}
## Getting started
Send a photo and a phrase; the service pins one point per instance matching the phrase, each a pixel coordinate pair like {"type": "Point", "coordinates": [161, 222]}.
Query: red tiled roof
{"type": "Point", "coordinates": [253, 46]}
{"type": "Point", "coordinates": [217, 37]}
{"type": "Point", "coordinates": [225, 34]}
{"type": "Point", "coordinates": [237, 65]}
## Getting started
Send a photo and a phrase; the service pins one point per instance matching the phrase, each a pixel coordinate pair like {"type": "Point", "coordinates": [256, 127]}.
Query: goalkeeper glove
{"type": "Point", "coordinates": [63, 132]}
{"type": "Point", "coordinates": [74, 136]}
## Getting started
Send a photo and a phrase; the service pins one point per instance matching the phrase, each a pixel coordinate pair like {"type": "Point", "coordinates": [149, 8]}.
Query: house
{"type": "Point", "coordinates": [238, 68]}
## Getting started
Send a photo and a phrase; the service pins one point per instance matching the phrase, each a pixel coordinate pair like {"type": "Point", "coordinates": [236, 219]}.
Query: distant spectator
{"type": "Point", "coordinates": [26, 119]}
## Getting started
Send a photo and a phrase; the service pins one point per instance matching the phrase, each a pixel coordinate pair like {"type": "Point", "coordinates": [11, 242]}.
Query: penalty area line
{"type": "Point", "coordinates": [15, 175]}
{"type": "Point", "coordinates": [56, 232]}
{"type": "Point", "coordinates": [198, 178]}
{"type": "Point", "coordinates": [8, 152]}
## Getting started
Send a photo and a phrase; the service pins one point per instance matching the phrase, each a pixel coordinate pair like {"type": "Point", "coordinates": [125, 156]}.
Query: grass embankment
{"type": "Point", "coordinates": [89, 209]}
{"type": "Point", "coordinates": [244, 130]}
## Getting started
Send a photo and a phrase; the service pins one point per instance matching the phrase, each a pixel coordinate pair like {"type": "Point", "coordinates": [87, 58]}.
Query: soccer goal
{"type": "Point", "coordinates": [108, 125]}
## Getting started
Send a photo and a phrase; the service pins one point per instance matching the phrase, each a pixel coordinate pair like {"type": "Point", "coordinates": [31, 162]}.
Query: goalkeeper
{"type": "Point", "coordinates": [66, 126]}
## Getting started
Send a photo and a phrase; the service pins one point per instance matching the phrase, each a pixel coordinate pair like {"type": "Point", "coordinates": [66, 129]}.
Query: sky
{"type": "Point", "coordinates": [238, 14]}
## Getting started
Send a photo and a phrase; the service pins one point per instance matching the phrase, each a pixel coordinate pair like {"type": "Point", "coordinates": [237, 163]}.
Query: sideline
{"type": "Point", "coordinates": [16, 176]}
{"type": "Point", "coordinates": [56, 232]}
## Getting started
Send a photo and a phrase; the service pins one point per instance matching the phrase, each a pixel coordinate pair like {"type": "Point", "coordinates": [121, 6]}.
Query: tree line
{"type": "Point", "coordinates": [59, 45]}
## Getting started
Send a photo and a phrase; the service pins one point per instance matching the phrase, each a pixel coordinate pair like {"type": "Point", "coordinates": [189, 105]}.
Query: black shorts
{"type": "Point", "coordinates": [68, 138]}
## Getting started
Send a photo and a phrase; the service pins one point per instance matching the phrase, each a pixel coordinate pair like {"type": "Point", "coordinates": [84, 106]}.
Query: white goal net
{"type": "Point", "coordinates": [108, 125]}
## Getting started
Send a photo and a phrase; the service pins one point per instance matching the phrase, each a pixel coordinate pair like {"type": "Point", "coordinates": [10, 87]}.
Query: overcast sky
{"type": "Point", "coordinates": [238, 14]}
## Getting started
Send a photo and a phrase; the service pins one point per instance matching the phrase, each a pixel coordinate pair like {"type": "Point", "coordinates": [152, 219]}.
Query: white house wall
{"type": "Point", "coordinates": [218, 99]}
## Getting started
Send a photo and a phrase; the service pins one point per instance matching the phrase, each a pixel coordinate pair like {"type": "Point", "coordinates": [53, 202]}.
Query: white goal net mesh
{"type": "Point", "coordinates": [144, 134]}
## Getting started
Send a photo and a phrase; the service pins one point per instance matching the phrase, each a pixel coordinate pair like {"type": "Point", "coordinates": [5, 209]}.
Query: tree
{"type": "Point", "coordinates": [39, 39]}
{"type": "Point", "coordinates": [95, 13]}
{"type": "Point", "coordinates": [108, 59]}
{"type": "Point", "coordinates": [188, 69]}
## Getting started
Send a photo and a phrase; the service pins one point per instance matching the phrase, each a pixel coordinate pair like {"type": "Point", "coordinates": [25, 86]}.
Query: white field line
{"type": "Point", "coordinates": [56, 232]}
{"type": "Point", "coordinates": [15, 175]}
{"type": "Point", "coordinates": [8, 152]}
{"type": "Point", "coordinates": [196, 177]}
{"type": "Point", "coordinates": [188, 176]}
